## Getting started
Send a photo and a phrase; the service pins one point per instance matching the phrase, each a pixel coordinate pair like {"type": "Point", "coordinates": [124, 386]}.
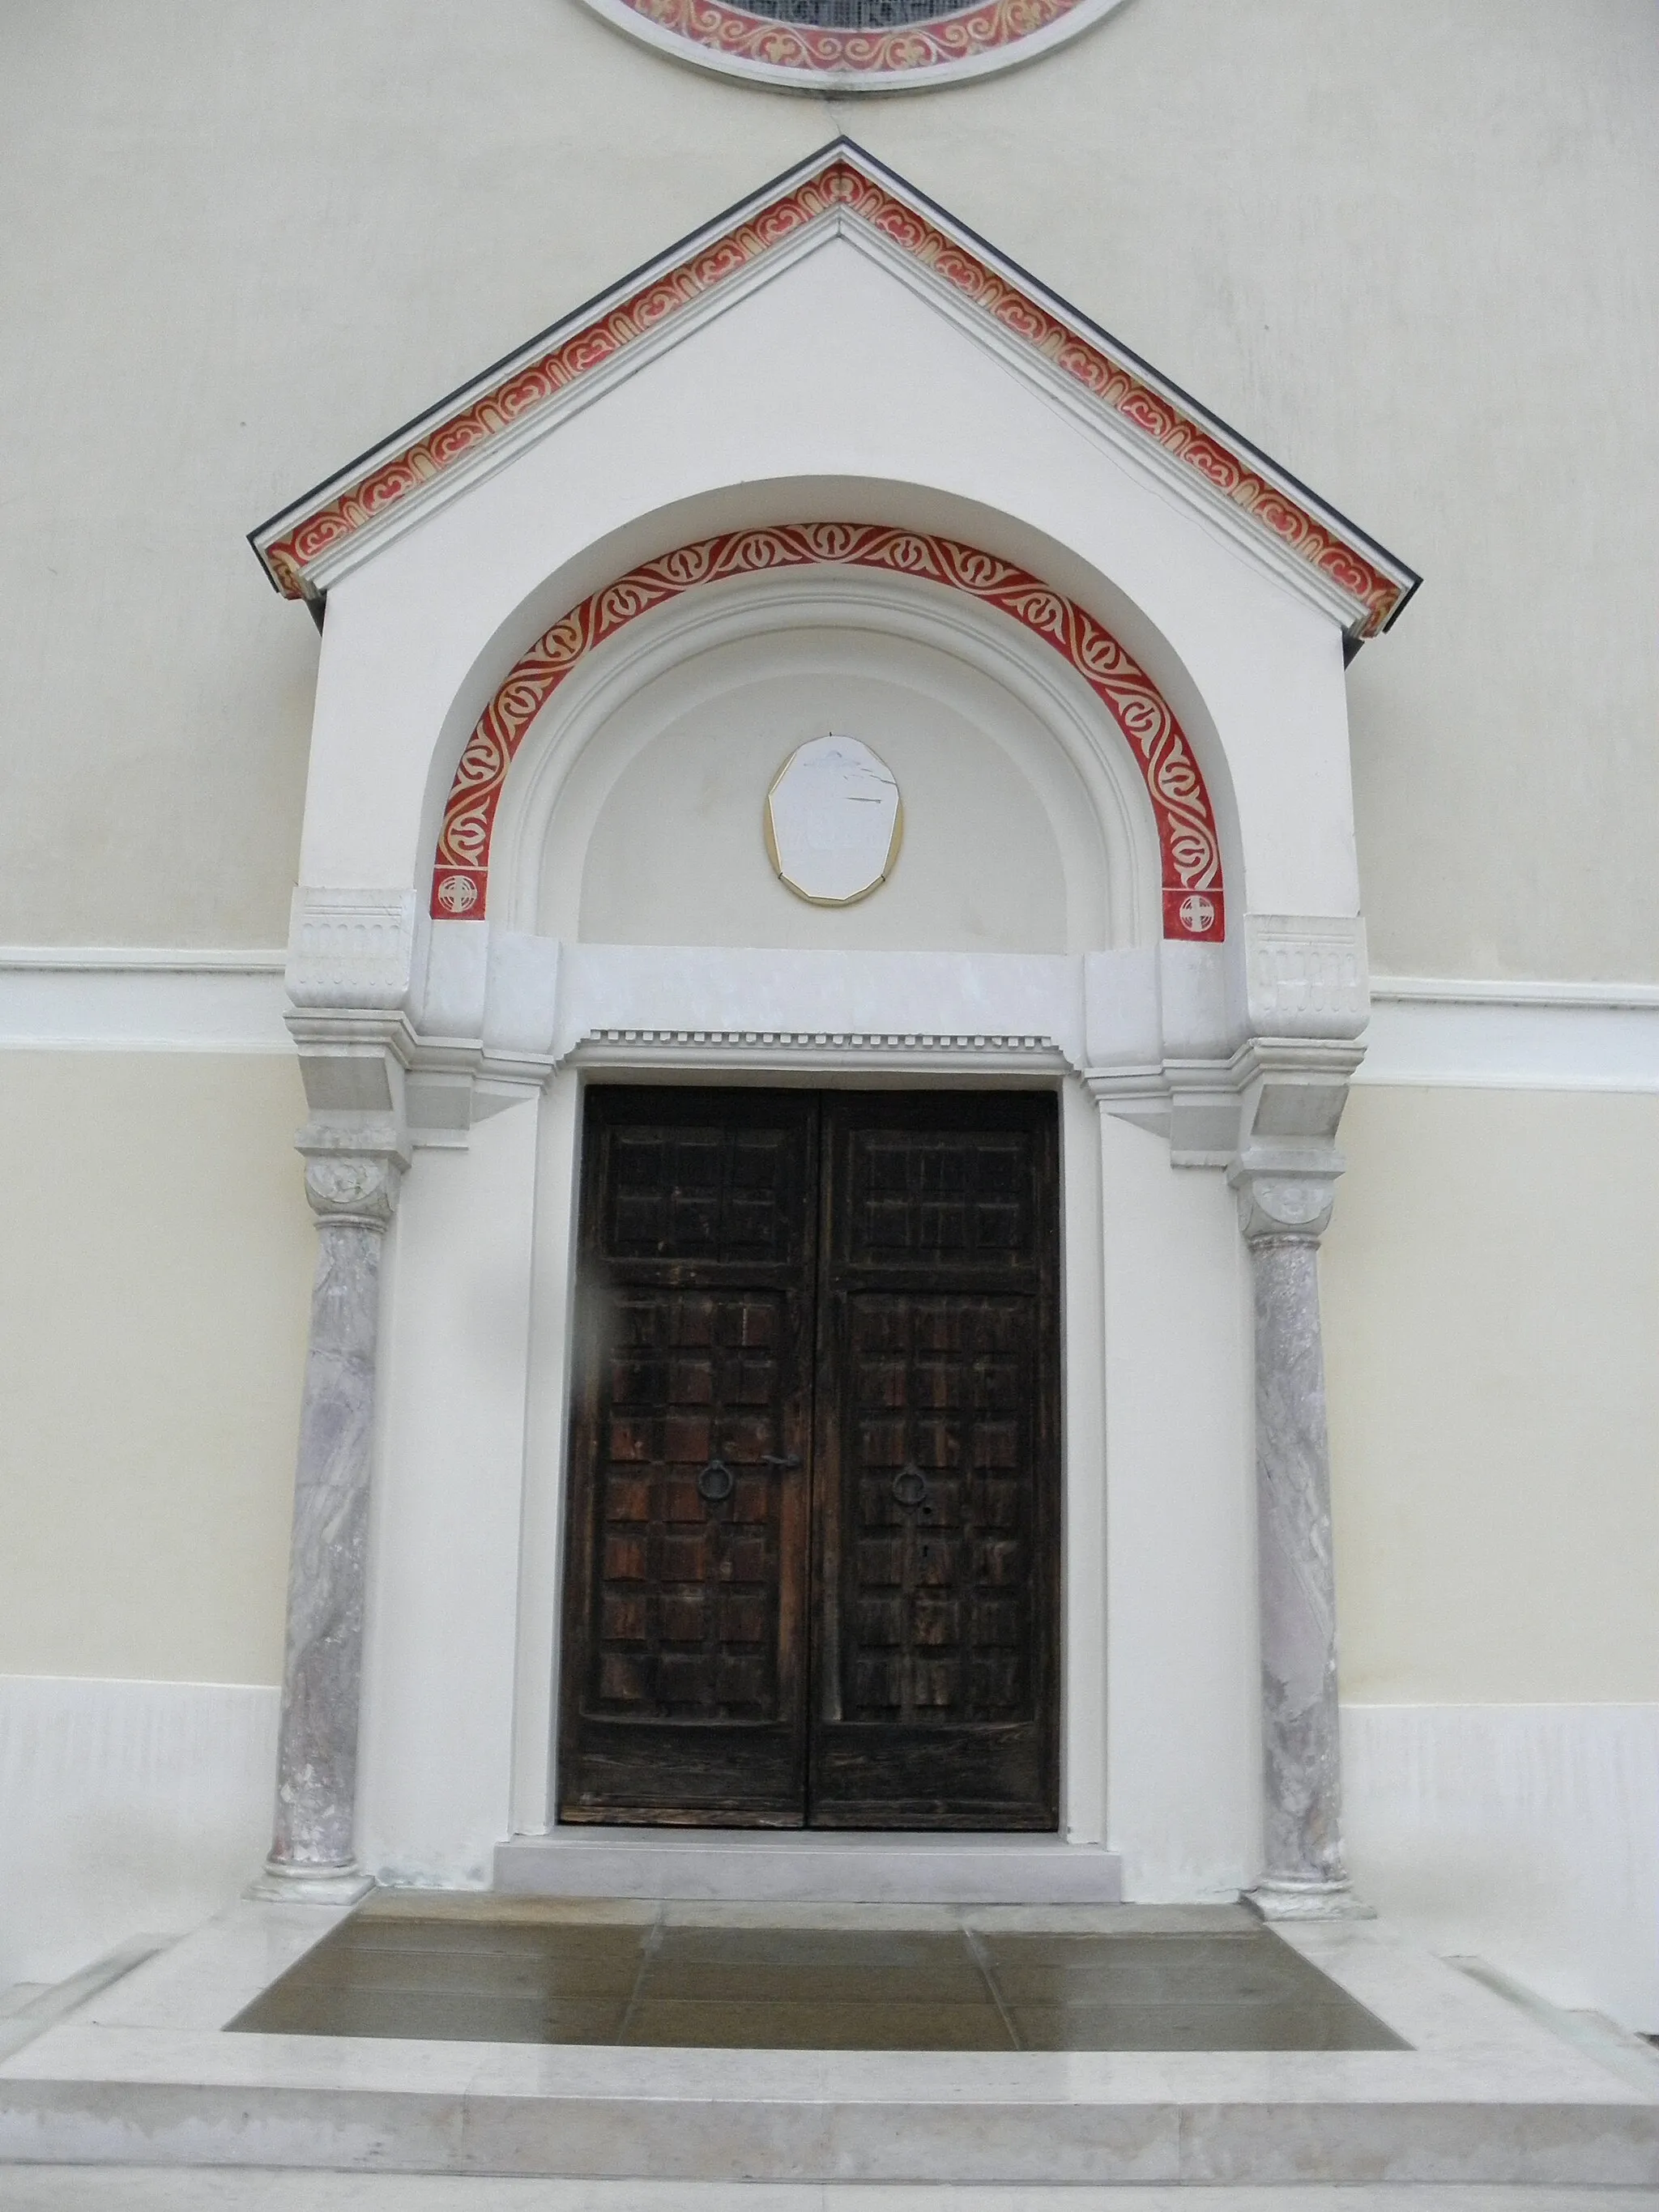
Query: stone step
{"type": "Point", "coordinates": [803, 1867]}
{"type": "Point", "coordinates": [145, 2075]}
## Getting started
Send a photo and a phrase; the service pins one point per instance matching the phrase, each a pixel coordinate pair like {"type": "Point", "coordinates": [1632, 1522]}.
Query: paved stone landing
{"type": "Point", "coordinates": [1477, 2091]}
{"type": "Point", "coordinates": [683, 1977]}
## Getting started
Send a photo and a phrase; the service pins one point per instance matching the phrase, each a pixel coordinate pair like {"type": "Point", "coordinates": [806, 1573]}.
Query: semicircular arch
{"type": "Point", "coordinates": [1192, 892]}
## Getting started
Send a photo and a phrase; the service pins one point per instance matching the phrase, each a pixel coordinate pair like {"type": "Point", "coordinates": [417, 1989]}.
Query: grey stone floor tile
{"type": "Point", "coordinates": [1199, 2028]}
{"type": "Point", "coordinates": [669, 2021]}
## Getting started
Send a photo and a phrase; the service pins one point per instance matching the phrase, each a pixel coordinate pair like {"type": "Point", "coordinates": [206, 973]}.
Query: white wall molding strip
{"type": "Point", "coordinates": [1523, 1035]}
{"type": "Point", "coordinates": [100, 998]}
{"type": "Point", "coordinates": [1464, 1033]}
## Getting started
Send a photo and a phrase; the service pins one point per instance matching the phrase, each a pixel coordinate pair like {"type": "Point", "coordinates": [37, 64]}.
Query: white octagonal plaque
{"type": "Point", "coordinates": [833, 821]}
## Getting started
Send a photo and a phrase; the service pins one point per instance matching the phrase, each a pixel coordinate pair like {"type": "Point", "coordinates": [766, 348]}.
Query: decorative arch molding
{"type": "Point", "coordinates": [1194, 894]}
{"type": "Point", "coordinates": [940, 48]}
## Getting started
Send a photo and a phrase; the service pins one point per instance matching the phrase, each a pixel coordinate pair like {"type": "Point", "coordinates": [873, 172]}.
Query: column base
{"type": "Point", "coordinates": [281, 1884]}
{"type": "Point", "coordinates": [1307, 1900]}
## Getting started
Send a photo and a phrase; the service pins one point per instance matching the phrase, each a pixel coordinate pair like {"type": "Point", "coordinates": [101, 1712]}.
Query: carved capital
{"type": "Point", "coordinates": [1279, 1204]}
{"type": "Point", "coordinates": [354, 1164]}
{"type": "Point", "coordinates": [359, 1187]}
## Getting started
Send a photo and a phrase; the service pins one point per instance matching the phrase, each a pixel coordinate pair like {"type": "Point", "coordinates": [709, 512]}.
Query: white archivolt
{"type": "Point", "coordinates": [634, 811]}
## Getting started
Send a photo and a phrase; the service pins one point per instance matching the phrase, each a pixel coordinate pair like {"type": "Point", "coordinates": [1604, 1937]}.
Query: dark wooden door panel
{"type": "Point", "coordinates": [937, 1465]}
{"type": "Point", "coordinates": [685, 1630]}
{"type": "Point", "coordinates": [906, 1244]}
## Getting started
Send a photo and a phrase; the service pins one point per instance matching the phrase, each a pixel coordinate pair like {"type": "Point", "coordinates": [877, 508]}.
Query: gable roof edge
{"type": "Point", "coordinates": [482, 423]}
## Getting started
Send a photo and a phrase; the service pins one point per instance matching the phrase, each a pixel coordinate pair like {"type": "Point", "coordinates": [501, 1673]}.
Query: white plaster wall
{"type": "Point", "coordinates": [677, 851]}
{"type": "Point", "coordinates": [1182, 1705]}
{"type": "Point", "coordinates": [1528, 1836]}
{"type": "Point", "coordinates": [1490, 1287]}
{"type": "Point", "coordinates": [130, 1808]}
{"type": "Point", "coordinates": [1403, 251]}
{"type": "Point", "coordinates": [153, 1303]}
{"type": "Point", "coordinates": [1524, 1835]}
{"type": "Point", "coordinates": [436, 1741]}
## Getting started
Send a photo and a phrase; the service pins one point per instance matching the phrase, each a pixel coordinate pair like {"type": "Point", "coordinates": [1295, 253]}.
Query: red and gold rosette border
{"type": "Point", "coordinates": [738, 35]}
{"type": "Point", "coordinates": [1194, 907]}
{"type": "Point", "coordinates": [840, 185]}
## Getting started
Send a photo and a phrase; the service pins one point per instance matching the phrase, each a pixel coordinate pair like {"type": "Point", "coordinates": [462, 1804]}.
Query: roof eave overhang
{"type": "Point", "coordinates": [841, 190]}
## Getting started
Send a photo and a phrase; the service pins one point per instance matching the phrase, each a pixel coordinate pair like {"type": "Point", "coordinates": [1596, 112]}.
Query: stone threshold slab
{"type": "Point", "coordinates": [805, 1868]}
{"type": "Point", "coordinates": [266, 2189]}
{"type": "Point", "coordinates": [1488, 2095]}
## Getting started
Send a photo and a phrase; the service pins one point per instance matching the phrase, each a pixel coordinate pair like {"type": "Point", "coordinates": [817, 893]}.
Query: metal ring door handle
{"type": "Point", "coordinates": [910, 1485]}
{"type": "Point", "coordinates": [716, 1482]}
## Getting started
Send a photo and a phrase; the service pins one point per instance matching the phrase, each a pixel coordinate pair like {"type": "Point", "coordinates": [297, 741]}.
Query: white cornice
{"type": "Point", "coordinates": [820, 1052]}
{"type": "Point", "coordinates": [1466, 1033]}
{"type": "Point", "coordinates": [1459, 1033]}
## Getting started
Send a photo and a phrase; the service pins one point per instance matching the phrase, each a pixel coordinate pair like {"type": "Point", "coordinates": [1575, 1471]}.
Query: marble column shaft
{"type": "Point", "coordinates": [1283, 1217]}
{"type": "Point", "coordinates": [353, 1196]}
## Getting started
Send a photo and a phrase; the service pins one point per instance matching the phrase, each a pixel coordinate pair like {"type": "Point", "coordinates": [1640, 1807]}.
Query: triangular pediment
{"type": "Point", "coordinates": [840, 192]}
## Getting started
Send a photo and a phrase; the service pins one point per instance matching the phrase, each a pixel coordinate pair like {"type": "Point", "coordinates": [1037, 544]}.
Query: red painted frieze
{"type": "Point", "coordinates": [738, 35]}
{"type": "Point", "coordinates": [840, 186]}
{"type": "Point", "coordinates": [1194, 906]}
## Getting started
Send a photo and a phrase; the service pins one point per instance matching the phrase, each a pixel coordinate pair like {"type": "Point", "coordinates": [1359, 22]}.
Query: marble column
{"type": "Point", "coordinates": [352, 1193]}
{"type": "Point", "coordinates": [1283, 1215]}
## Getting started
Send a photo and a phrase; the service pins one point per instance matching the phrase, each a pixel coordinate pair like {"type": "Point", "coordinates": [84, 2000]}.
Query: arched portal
{"type": "Point", "coordinates": [1075, 940]}
{"type": "Point", "coordinates": [1194, 897]}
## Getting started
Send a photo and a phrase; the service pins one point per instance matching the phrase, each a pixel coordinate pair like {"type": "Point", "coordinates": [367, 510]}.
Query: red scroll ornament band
{"type": "Point", "coordinates": [1194, 903]}
{"type": "Point", "coordinates": [532, 385]}
{"type": "Point", "coordinates": [929, 44]}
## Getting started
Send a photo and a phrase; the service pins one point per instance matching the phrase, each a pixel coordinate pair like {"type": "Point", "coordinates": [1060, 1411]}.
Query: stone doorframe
{"type": "Point", "coordinates": [382, 1085]}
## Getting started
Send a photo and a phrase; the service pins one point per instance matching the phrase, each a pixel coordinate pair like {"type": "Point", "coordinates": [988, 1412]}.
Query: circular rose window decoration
{"type": "Point", "coordinates": [857, 45]}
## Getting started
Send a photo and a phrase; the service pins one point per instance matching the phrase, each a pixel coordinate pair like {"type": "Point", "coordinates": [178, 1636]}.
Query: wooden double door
{"type": "Point", "coordinates": [813, 1548]}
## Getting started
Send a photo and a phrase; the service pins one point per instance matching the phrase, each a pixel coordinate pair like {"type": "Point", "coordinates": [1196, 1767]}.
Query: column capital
{"type": "Point", "coordinates": [352, 1174]}
{"type": "Point", "coordinates": [1279, 1203]}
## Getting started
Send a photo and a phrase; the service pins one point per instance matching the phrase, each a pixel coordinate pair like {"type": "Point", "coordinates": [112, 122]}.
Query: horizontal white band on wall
{"type": "Point", "coordinates": [1518, 1036]}
{"type": "Point", "coordinates": [1464, 1034]}
{"type": "Point", "coordinates": [98, 998]}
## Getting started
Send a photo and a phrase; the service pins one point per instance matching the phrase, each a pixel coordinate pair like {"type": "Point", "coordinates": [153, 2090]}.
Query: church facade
{"type": "Point", "coordinates": [950, 899]}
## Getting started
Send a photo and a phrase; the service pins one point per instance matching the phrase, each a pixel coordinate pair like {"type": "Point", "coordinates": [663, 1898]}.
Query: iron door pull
{"type": "Point", "coordinates": [910, 1485]}
{"type": "Point", "coordinates": [717, 1481]}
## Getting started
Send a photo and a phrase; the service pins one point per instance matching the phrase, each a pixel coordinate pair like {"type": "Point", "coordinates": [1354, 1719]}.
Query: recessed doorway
{"type": "Point", "coordinates": [813, 1549]}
